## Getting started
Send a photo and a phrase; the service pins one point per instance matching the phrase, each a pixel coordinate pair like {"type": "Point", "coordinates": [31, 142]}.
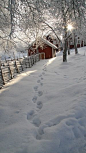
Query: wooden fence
{"type": "Point", "coordinates": [9, 69]}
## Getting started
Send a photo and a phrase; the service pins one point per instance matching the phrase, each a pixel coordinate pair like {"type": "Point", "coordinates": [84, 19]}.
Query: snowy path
{"type": "Point", "coordinates": [43, 110]}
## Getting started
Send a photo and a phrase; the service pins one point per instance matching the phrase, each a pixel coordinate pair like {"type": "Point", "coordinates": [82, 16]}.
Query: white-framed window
{"type": "Point", "coordinates": [78, 40]}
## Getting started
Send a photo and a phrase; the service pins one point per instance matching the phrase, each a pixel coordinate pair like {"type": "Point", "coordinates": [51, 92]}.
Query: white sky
{"type": "Point", "coordinates": [43, 110]}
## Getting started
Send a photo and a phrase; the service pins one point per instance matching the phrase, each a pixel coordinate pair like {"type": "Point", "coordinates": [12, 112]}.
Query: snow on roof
{"type": "Point", "coordinates": [49, 43]}
{"type": "Point", "coordinates": [45, 42]}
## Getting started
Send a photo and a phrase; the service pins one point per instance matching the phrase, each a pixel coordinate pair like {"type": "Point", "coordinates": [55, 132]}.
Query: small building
{"type": "Point", "coordinates": [79, 41]}
{"type": "Point", "coordinates": [44, 47]}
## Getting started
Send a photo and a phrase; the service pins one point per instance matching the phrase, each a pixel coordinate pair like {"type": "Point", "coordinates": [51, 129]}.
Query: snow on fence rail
{"type": "Point", "coordinates": [9, 69]}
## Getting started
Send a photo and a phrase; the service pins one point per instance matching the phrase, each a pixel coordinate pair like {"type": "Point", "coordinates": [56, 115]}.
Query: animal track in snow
{"type": "Point", "coordinates": [38, 81]}
{"type": "Point", "coordinates": [84, 78]}
{"type": "Point", "coordinates": [40, 133]}
{"type": "Point", "coordinates": [39, 104]}
{"type": "Point", "coordinates": [40, 75]}
{"type": "Point", "coordinates": [34, 99]}
{"type": "Point", "coordinates": [36, 122]}
{"type": "Point", "coordinates": [36, 88]}
{"type": "Point", "coordinates": [43, 73]}
{"type": "Point", "coordinates": [17, 112]}
{"type": "Point", "coordinates": [40, 93]}
{"type": "Point", "coordinates": [38, 137]}
{"type": "Point", "coordinates": [30, 114]}
{"type": "Point", "coordinates": [45, 69]}
{"type": "Point", "coordinates": [65, 76]}
{"type": "Point", "coordinates": [41, 84]}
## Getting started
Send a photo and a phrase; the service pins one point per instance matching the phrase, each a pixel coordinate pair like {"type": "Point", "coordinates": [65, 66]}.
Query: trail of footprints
{"type": "Point", "coordinates": [32, 115]}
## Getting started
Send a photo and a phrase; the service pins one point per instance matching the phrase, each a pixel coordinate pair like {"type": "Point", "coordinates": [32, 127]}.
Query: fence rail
{"type": "Point", "coordinates": [9, 69]}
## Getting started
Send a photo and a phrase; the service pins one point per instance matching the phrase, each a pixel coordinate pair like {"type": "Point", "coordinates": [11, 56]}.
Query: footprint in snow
{"type": "Point", "coordinates": [34, 99]}
{"type": "Point", "coordinates": [43, 73]}
{"type": "Point", "coordinates": [38, 81]}
{"type": "Point", "coordinates": [17, 112]}
{"type": "Point", "coordinates": [39, 104]}
{"type": "Point", "coordinates": [41, 84]}
{"type": "Point", "coordinates": [65, 76]}
{"type": "Point", "coordinates": [36, 122]}
{"type": "Point", "coordinates": [38, 137]}
{"type": "Point", "coordinates": [30, 114]}
{"type": "Point", "coordinates": [40, 133]}
{"type": "Point", "coordinates": [40, 75]}
{"type": "Point", "coordinates": [40, 93]}
{"type": "Point", "coordinates": [45, 69]}
{"type": "Point", "coordinates": [36, 88]}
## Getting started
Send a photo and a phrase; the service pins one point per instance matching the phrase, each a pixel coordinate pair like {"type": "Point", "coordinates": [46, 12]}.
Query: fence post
{"type": "Point", "coordinates": [10, 70]}
{"type": "Point", "coordinates": [1, 79]}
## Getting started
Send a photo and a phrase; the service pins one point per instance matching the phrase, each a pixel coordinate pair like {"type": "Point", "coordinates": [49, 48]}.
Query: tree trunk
{"type": "Point", "coordinates": [68, 51]}
{"type": "Point", "coordinates": [65, 51]}
{"type": "Point", "coordinates": [59, 46]}
{"type": "Point", "coordinates": [68, 47]}
{"type": "Point", "coordinates": [75, 45]}
{"type": "Point", "coordinates": [65, 46]}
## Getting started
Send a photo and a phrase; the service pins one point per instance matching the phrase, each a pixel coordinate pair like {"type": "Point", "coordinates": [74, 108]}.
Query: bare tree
{"type": "Point", "coordinates": [64, 12]}
{"type": "Point", "coordinates": [19, 21]}
{"type": "Point", "coordinates": [24, 20]}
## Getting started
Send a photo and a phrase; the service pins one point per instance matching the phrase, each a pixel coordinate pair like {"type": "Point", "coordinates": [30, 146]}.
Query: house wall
{"type": "Point", "coordinates": [53, 52]}
{"type": "Point", "coordinates": [71, 46]}
{"type": "Point", "coordinates": [80, 43]}
{"type": "Point", "coordinates": [42, 55]}
{"type": "Point", "coordinates": [47, 50]}
{"type": "Point", "coordinates": [31, 52]}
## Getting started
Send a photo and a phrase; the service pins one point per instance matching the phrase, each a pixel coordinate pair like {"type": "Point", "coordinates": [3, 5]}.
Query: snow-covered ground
{"type": "Point", "coordinates": [43, 110]}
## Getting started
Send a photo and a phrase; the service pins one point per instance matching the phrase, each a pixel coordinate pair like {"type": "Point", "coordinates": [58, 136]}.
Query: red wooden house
{"type": "Point", "coordinates": [44, 47]}
{"type": "Point", "coordinates": [80, 42]}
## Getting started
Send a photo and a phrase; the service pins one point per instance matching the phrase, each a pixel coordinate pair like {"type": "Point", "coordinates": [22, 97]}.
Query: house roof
{"type": "Point", "coordinates": [49, 43]}
{"type": "Point", "coordinates": [45, 42]}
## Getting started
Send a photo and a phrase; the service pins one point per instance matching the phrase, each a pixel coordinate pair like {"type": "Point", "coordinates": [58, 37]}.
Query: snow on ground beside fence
{"type": "Point", "coordinates": [43, 110]}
